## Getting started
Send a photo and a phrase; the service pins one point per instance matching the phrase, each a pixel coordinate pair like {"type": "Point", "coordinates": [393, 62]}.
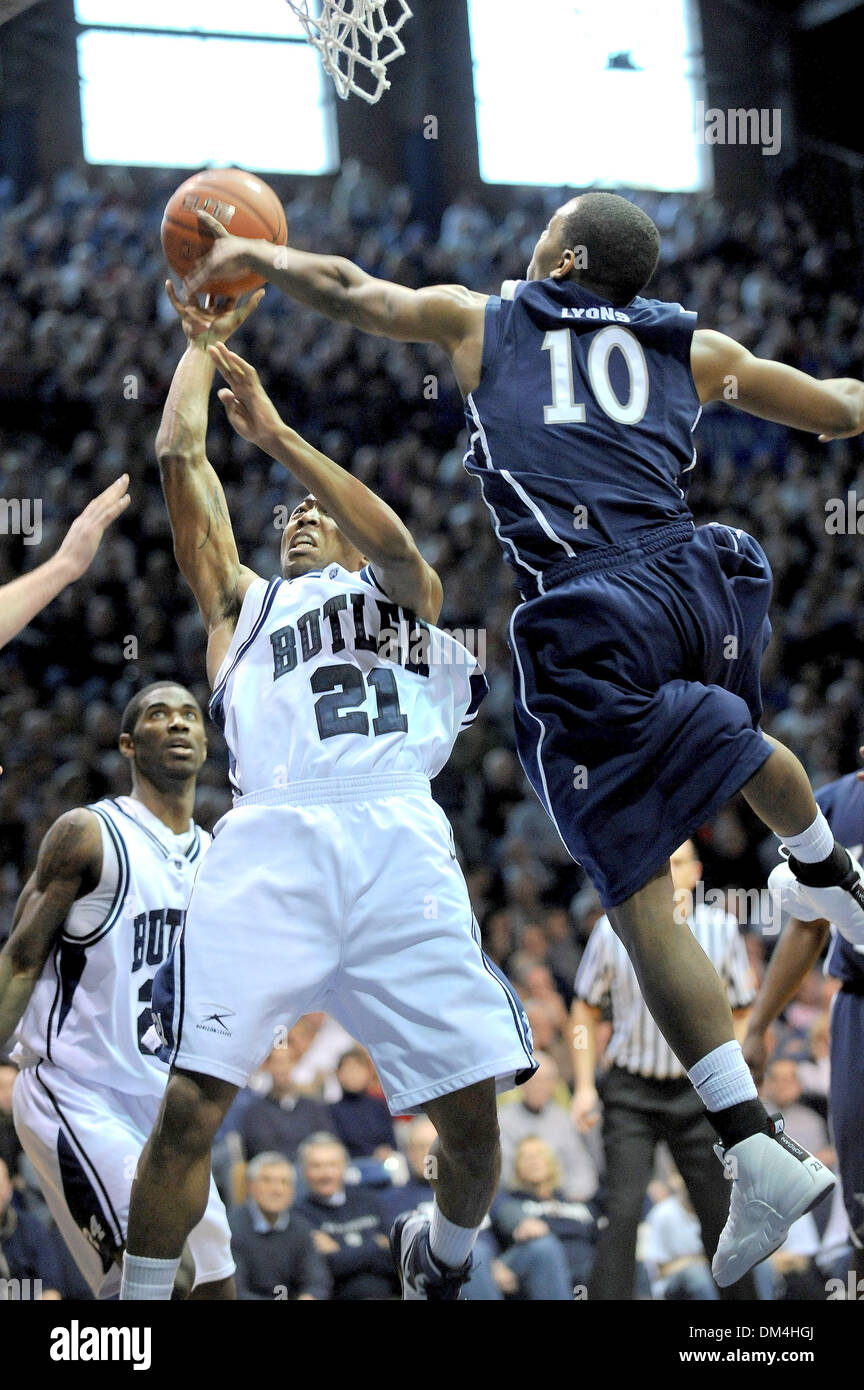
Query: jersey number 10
{"type": "Point", "coordinates": [564, 410]}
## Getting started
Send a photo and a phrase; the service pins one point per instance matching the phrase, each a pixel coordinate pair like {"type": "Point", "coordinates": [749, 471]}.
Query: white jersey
{"type": "Point", "coordinates": [90, 1006]}
{"type": "Point", "coordinates": [326, 677]}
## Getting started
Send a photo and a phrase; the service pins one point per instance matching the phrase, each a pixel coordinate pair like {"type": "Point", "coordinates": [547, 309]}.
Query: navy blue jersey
{"type": "Point", "coordinates": [581, 426]}
{"type": "Point", "coordinates": [842, 803]}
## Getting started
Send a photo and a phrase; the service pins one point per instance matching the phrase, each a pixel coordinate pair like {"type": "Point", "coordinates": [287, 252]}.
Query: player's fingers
{"type": "Point", "coordinates": [212, 224]}
{"type": "Point", "coordinates": [112, 512]}
{"type": "Point", "coordinates": [112, 491]}
{"type": "Point", "coordinates": [173, 296]}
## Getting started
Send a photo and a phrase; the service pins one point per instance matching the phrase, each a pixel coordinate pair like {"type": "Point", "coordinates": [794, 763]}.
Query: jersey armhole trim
{"type": "Point", "coordinates": [218, 696]}
{"type": "Point", "coordinates": [371, 577]}
{"type": "Point", "coordinates": [113, 913]}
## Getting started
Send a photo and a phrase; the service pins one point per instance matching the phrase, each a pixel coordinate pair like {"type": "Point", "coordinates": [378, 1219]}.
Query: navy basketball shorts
{"type": "Point", "coordinates": [637, 698]}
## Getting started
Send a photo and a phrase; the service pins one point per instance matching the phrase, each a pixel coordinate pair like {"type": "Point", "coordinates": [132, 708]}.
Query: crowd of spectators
{"type": "Point", "coordinates": [88, 344]}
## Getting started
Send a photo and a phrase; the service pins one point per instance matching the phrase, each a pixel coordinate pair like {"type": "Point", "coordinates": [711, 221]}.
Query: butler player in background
{"type": "Point", "coordinates": [93, 923]}
{"type": "Point", "coordinates": [638, 642]}
{"type": "Point", "coordinates": [333, 882]}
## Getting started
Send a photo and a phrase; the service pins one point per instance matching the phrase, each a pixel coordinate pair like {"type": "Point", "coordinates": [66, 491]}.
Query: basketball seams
{"type": "Point", "coordinates": [259, 210]}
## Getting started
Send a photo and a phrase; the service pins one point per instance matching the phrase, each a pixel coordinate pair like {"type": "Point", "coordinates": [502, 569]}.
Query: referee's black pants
{"type": "Point", "coordinates": [638, 1112]}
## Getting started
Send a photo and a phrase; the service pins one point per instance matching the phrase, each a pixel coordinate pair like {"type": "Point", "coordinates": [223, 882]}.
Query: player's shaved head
{"type": "Point", "coordinates": [615, 246]}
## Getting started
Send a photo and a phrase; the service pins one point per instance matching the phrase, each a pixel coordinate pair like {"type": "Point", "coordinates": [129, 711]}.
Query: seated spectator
{"type": "Point", "coordinates": [797, 1276]}
{"type": "Point", "coordinates": [349, 1227]}
{"type": "Point", "coordinates": [27, 1251]}
{"type": "Point", "coordinates": [362, 1121]}
{"type": "Point", "coordinates": [814, 1072]}
{"type": "Point", "coordinates": [781, 1090]}
{"type": "Point", "coordinates": [283, 1118]}
{"type": "Point", "coordinates": [671, 1248]}
{"type": "Point", "coordinates": [534, 1218]}
{"type": "Point", "coordinates": [538, 1113]}
{"type": "Point", "coordinates": [547, 1038]}
{"type": "Point", "coordinates": [489, 1279]}
{"type": "Point", "coordinates": [274, 1248]}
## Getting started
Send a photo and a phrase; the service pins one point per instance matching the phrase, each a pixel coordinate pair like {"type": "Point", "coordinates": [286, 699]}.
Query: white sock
{"type": "Point", "coordinates": [147, 1280]}
{"type": "Point", "coordinates": [722, 1078]}
{"type": "Point", "coordinates": [451, 1245]}
{"type": "Point", "coordinates": [813, 844]}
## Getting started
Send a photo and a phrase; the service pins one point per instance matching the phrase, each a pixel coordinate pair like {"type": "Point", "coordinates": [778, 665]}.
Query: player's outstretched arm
{"type": "Point", "coordinates": [23, 598]}
{"type": "Point", "coordinates": [444, 314]}
{"type": "Point", "coordinates": [69, 865]}
{"type": "Point", "coordinates": [794, 956]}
{"type": "Point", "coordinates": [370, 525]}
{"type": "Point", "coordinates": [204, 544]}
{"type": "Point", "coordinates": [724, 370]}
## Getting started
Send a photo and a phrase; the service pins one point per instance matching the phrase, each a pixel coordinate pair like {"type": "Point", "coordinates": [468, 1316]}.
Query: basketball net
{"type": "Point", "coordinates": [356, 41]}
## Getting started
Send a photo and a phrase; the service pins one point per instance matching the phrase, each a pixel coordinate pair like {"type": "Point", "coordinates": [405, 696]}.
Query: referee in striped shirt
{"type": "Point", "coordinates": [645, 1092]}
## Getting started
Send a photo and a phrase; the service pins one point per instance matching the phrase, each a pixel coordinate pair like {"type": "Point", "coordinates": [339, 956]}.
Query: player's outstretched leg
{"type": "Point", "coordinates": [434, 1257]}
{"type": "Point", "coordinates": [169, 1194]}
{"type": "Point", "coordinates": [774, 1180]}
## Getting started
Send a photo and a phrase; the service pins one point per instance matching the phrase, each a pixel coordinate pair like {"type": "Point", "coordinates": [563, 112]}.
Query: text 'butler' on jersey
{"type": "Point", "coordinates": [327, 677]}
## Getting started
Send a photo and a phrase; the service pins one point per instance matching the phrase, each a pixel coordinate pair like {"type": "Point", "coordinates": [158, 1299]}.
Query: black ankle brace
{"type": "Point", "coordinates": [741, 1121]}
{"type": "Point", "coordinates": [834, 872]}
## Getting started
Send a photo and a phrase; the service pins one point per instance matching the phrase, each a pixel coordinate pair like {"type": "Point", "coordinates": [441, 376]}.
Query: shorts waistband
{"type": "Point", "coordinates": [608, 557]}
{"type": "Point", "coordinates": [326, 791]}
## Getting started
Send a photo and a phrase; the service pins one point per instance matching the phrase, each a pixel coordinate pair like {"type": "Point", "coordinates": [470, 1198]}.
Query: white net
{"type": "Point", "coordinates": [356, 39]}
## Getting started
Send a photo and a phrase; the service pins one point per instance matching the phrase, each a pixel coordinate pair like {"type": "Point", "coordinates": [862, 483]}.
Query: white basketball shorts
{"type": "Point", "coordinates": [84, 1142]}
{"type": "Point", "coordinates": [343, 896]}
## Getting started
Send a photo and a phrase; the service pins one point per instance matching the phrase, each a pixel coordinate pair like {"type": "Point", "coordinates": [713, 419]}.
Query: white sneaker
{"type": "Point", "coordinates": [774, 1181]}
{"type": "Point", "coordinates": [842, 906]}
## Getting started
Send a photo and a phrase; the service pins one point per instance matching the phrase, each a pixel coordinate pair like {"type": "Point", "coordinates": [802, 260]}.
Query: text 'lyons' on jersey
{"type": "Point", "coordinates": [91, 1004]}
{"type": "Point", "coordinates": [327, 677]}
{"type": "Point", "coordinates": [581, 426]}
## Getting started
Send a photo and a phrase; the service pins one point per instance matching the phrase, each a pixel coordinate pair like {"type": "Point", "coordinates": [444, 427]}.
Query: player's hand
{"type": "Point", "coordinates": [229, 255]}
{"type": "Point", "coordinates": [755, 1049]}
{"type": "Point", "coordinates": [247, 405]}
{"type": "Point", "coordinates": [209, 324]}
{"type": "Point", "coordinates": [84, 535]}
{"type": "Point", "coordinates": [860, 775]}
{"type": "Point", "coordinates": [585, 1109]}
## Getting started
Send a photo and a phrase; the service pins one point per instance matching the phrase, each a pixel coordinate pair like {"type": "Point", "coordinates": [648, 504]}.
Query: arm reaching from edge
{"type": "Point", "coordinates": [449, 315]}
{"type": "Point", "coordinates": [370, 525]}
{"type": "Point", "coordinates": [204, 544]}
{"type": "Point", "coordinates": [23, 598]}
{"type": "Point", "coordinates": [69, 865]}
{"type": "Point", "coordinates": [724, 370]}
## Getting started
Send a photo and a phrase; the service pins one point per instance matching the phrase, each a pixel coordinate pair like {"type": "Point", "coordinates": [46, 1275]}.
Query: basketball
{"type": "Point", "coordinates": [244, 204]}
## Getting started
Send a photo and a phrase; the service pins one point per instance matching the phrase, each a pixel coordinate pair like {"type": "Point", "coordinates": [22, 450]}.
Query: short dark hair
{"type": "Point", "coordinates": [622, 244]}
{"type": "Point", "coordinates": [132, 712]}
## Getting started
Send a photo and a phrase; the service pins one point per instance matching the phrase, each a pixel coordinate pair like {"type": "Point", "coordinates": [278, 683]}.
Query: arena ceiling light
{"type": "Point", "coordinates": [600, 92]}
{"type": "Point", "coordinates": [141, 103]}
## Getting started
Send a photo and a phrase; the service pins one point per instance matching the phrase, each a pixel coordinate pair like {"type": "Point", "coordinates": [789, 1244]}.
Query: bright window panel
{"type": "Point", "coordinates": [187, 102]}
{"type": "Point", "coordinates": [551, 112]}
{"type": "Point", "coordinates": [259, 17]}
